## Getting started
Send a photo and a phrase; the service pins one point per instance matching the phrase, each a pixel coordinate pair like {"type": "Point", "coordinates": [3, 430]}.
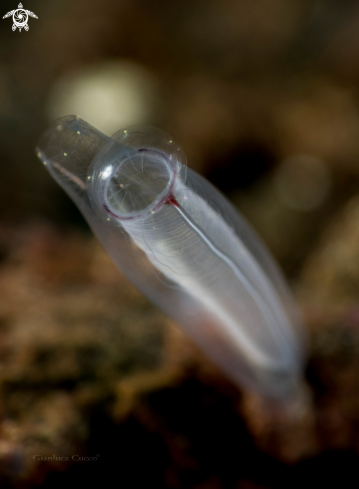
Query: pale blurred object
{"type": "Point", "coordinates": [112, 94]}
{"type": "Point", "coordinates": [330, 277]}
{"type": "Point", "coordinates": [302, 182]}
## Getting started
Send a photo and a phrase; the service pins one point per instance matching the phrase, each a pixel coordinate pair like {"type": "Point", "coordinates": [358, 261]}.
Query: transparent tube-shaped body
{"type": "Point", "coordinates": [184, 246]}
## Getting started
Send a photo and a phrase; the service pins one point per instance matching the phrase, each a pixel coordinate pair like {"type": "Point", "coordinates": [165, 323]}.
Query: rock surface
{"type": "Point", "coordinates": [95, 382]}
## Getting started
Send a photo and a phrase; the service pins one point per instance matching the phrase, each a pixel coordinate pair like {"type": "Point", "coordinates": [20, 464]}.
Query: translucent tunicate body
{"type": "Point", "coordinates": [184, 246]}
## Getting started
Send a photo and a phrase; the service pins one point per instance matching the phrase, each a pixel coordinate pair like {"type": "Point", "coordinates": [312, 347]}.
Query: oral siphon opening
{"type": "Point", "coordinates": [138, 185]}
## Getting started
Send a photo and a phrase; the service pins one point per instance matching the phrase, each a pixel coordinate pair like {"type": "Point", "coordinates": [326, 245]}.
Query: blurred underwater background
{"type": "Point", "coordinates": [96, 385]}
